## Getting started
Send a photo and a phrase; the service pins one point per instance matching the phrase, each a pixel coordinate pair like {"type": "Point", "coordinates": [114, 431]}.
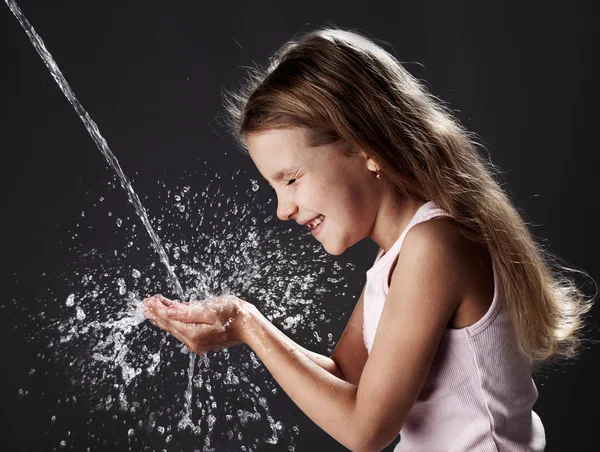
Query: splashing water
{"type": "Point", "coordinates": [92, 128]}
{"type": "Point", "coordinates": [115, 356]}
{"type": "Point", "coordinates": [277, 270]}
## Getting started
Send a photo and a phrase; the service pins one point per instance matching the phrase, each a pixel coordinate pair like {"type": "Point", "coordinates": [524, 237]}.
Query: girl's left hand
{"type": "Point", "coordinates": [209, 325]}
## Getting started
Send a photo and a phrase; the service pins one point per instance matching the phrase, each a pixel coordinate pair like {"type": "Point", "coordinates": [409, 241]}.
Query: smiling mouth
{"type": "Point", "coordinates": [316, 228]}
{"type": "Point", "coordinates": [315, 223]}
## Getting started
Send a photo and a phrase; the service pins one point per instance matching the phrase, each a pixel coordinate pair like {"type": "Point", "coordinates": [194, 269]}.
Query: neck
{"type": "Point", "coordinates": [393, 217]}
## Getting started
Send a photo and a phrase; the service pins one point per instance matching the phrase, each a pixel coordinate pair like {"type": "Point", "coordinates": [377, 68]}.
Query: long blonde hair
{"type": "Point", "coordinates": [343, 87]}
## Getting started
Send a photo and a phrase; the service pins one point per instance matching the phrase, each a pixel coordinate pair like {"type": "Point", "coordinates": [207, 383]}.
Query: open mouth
{"type": "Point", "coordinates": [316, 225]}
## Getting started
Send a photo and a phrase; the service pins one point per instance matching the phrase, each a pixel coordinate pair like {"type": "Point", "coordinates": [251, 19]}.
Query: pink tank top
{"type": "Point", "coordinates": [479, 393]}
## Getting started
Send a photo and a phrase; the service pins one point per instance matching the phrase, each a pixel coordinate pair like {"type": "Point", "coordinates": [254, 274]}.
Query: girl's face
{"type": "Point", "coordinates": [318, 181]}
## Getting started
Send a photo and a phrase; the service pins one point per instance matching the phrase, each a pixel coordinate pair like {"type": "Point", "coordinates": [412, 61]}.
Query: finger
{"type": "Point", "coordinates": [171, 326]}
{"type": "Point", "coordinates": [160, 310]}
{"type": "Point", "coordinates": [164, 326]}
{"type": "Point", "coordinates": [152, 315]}
{"type": "Point", "coordinates": [186, 331]}
{"type": "Point", "coordinates": [173, 331]}
{"type": "Point", "coordinates": [157, 323]}
{"type": "Point", "coordinates": [189, 313]}
{"type": "Point", "coordinates": [150, 301]}
{"type": "Point", "coordinates": [165, 301]}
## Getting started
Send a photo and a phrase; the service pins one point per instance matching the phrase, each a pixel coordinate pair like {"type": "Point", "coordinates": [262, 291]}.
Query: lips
{"type": "Point", "coordinates": [317, 230]}
{"type": "Point", "coordinates": [312, 224]}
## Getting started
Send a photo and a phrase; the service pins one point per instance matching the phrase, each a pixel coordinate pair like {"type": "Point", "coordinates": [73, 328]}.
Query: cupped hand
{"type": "Point", "coordinates": [201, 326]}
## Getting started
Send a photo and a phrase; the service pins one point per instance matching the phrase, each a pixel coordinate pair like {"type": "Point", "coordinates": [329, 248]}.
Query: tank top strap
{"type": "Point", "coordinates": [429, 210]}
{"type": "Point", "coordinates": [426, 212]}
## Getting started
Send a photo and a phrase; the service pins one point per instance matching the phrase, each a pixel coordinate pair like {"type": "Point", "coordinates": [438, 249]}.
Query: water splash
{"type": "Point", "coordinates": [120, 362]}
{"type": "Point", "coordinates": [114, 356]}
{"type": "Point", "coordinates": [101, 143]}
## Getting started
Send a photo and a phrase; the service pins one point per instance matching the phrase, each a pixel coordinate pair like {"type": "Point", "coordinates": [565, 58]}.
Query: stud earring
{"type": "Point", "coordinates": [378, 176]}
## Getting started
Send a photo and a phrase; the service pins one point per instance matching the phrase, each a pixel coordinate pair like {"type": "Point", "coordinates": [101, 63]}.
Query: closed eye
{"type": "Point", "coordinates": [291, 181]}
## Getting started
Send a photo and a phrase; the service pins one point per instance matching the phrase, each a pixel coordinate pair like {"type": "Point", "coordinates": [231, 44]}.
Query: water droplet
{"type": "Point", "coordinates": [80, 314]}
{"type": "Point", "coordinates": [130, 433]}
{"type": "Point", "coordinates": [119, 222]}
{"type": "Point", "coordinates": [254, 185]}
{"type": "Point", "coordinates": [181, 207]}
{"type": "Point", "coordinates": [210, 421]}
{"type": "Point", "coordinates": [135, 273]}
{"type": "Point", "coordinates": [70, 300]}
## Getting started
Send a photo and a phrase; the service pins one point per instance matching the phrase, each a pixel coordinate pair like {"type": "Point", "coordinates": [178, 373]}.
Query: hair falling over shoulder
{"type": "Point", "coordinates": [343, 87]}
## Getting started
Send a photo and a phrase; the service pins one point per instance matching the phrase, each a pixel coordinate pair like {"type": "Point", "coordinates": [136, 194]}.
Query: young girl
{"type": "Point", "coordinates": [460, 304]}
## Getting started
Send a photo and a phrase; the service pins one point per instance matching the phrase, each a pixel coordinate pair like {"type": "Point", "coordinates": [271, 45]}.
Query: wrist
{"type": "Point", "coordinates": [245, 321]}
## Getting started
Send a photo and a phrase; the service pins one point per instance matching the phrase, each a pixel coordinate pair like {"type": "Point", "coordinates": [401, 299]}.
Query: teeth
{"type": "Point", "coordinates": [316, 222]}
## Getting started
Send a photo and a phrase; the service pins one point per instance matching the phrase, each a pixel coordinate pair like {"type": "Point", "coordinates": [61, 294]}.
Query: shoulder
{"type": "Point", "coordinates": [438, 238]}
{"type": "Point", "coordinates": [436, 252]}
{"type": "Point", "coordinates": [439, 231]}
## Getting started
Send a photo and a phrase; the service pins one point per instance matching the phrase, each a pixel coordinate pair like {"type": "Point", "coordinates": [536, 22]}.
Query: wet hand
{"type": "Point", "coordinates": [201, 326]}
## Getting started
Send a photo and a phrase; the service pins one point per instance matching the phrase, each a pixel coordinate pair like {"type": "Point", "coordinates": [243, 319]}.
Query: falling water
{"type": "Point", "coordinates": [98, 139]}
{"type": "Point", "coordinates": [235, 258]}
{"type": "Point", "coordinates": [186, 421]}
{"type": "Point", "coordinates": [113, 162]}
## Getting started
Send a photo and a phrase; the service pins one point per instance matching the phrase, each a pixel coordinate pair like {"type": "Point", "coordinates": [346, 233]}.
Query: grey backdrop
{"type": "Point", "coordinates": [150, 73]}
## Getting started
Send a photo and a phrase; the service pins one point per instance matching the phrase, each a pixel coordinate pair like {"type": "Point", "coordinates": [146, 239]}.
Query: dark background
{"type": "Point", "coordinates": [151, 74]}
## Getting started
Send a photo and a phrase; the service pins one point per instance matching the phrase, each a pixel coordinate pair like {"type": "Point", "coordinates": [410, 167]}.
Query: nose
{"type": "Point", "coordinates": [286, 209]}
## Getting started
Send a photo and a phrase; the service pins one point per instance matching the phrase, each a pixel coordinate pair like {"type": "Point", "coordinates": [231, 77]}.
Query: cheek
{"type": "Point", "coordinates": [347, 201]}
{"type": "Point", "coordinates": [358, 202]}
{"type": "Point", "coordinates": [350, 214]}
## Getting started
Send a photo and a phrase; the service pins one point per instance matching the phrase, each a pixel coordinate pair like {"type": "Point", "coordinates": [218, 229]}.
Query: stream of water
{"type": "Point", "coordinates": [92, 129]}
{"type": "Point", "coordinates": [238, 261]}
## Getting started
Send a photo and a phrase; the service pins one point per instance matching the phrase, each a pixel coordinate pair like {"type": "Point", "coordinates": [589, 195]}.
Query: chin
{"type": "Point", "coordinates": [335, 251]}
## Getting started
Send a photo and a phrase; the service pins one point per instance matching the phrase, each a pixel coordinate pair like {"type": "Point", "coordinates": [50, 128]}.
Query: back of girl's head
{"type": "Point", "coordinates": [342, 87]}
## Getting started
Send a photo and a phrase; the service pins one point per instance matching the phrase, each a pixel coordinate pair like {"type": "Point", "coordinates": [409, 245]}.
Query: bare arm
{"type": "Point", "coordinates": [323, 361]}
{"type": "Point", "coordinates": [326, 399]}
{"type": "Point", "coordinates": [368, 416]}
{"type": "Point", "coordinates": [350, 355]}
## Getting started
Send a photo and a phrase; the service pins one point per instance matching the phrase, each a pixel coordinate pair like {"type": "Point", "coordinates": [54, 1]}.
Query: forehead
{"type": "Point", "coordinates": [276, 141]}
{"type": "Point", "coordinates": [280, 150]}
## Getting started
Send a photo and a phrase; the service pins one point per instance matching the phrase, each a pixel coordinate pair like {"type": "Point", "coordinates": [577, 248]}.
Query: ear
{"type": "Point", "coordinates": [371, 165]}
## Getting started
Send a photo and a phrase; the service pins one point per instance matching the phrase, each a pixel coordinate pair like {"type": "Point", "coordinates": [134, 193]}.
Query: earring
{"type": "Point", "coordinates": [378, 176]}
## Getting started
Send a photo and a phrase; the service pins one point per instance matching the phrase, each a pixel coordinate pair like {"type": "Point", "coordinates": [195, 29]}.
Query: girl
{"type": "Point", "coordinates": [460, 304]}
